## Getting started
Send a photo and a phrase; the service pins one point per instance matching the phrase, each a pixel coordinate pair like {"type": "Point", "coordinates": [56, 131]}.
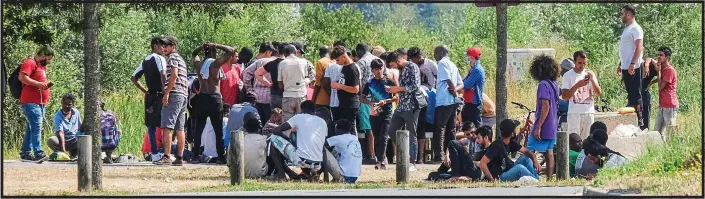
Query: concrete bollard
{"type": "Point", "coordinates": [402, 142]}
{"type": "Point", "coordinates": [85, 168]}
{"type": "Point", "coordinates": [236, 158]}
{"type": "Point", "coordinates": [562, 153]}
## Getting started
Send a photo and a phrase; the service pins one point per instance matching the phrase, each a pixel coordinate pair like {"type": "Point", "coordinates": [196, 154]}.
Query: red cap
{"type": "Point", "coordinates": [474, 52]}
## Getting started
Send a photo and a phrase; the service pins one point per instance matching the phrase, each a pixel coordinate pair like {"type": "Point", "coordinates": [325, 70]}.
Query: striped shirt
{"type": "Point", "coordinates": [181, 86]}
{"type": "Point", "coordinates": [262, 93]}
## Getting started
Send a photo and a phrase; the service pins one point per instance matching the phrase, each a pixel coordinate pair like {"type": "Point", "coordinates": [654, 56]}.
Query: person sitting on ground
{"type": "Point", "coordinates": [496, 164]}
{"type": "Point", "coordinates": [208, 139]}
{"type": "Point", "coordinates": [255, 148]}
{"type": "Point", "coordinates": [308, 152]}
{"type": "Point", "coordinates": [67, 126]}
{"type": "Point", "coordinates": [347, 150]}
{"type": "Point", "coordinates": [237, 112]}
{"type": "Point", "coordinates": [275, 119]}
{"type": "Point", "coordinates": [588, 169]}
{"type": "Point", "coordinates": [576, 145]}
{"type": "Point", "coordinates": [460, 157]}
{"type": "Point", "coordinates": [110, 133]}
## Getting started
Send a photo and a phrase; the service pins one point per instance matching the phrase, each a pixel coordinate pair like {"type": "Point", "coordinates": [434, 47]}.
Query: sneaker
{"type": "Point", "coordinates": [412, 167]}
{"type": "Point", "coordinates": [107, 160]}
{"type": "Point", "coordinates": [156, 157]}
{"type": "Point", "coordinates": [27, 156]}
{"type": "Point", "coordinates": [221, 162]}
{"type": "Point", "coordinates": [164, 161]}
{"type": "Point", "coordinates": [39, 156]}
{"type": "Point", "coordinates": [177, 162]}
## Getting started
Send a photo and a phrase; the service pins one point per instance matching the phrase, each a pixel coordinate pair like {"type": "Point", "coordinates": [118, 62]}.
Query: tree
{"type": "Point", "coordinates": [91, 67]}
{"type": "Point", "coordinates": [501, 76]}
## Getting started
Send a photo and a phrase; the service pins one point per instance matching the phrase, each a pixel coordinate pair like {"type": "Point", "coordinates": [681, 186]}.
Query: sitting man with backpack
{"type": "Point", "coordinates": [30, 85]}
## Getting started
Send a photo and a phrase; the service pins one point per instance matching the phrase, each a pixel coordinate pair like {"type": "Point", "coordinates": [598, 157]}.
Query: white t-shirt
{"type": "Point", "coordinates": [311, 133]}
{"type": "Point", "coordinates": [350, 154]}
{"type": "Point", "coordinates": [582, 101]}
{"type": "Point", "coordinates": [208, 138]}
{"type": "Point", "coordinates": [333, 71]}
{"type": "Point", "coordinates": [631, 33]}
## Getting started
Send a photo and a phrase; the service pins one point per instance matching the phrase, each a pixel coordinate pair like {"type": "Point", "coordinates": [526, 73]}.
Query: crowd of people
{"type": "Point", "coordinates": [295, 112]}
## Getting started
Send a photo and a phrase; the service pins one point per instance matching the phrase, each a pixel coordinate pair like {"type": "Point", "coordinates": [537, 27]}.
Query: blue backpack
{"type": "Point", "coordinates": [110, 132]}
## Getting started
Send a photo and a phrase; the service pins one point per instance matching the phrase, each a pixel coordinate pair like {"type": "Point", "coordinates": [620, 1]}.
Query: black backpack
{"type": "Point", "coordinates": [14, 81]}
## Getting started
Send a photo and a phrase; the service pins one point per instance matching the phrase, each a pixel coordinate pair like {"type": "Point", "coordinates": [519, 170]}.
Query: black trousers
{"type": "Point", "coordinates": [461, 164]}
{"type": "Point", "coordinates": [264, 111]}
{"type": "Point", "coordinates": [646, 108]}
{"type": "Point", "coordinates": [444, 129]}
{"type": "Point", "coordinates": [472, 113]}
{"type": "Point", "coordinates": [209, 106]}
{"type": "Point", "coordinates": [347, 113]}
{"type": "Point", "coordinates": [633, 86]}
{"type": "Point", "coordinates": [380, 125]}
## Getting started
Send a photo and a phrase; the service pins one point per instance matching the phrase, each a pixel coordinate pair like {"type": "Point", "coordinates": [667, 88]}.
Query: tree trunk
{"type": "Point", "coordinates": [91, 66]}
{"type": "Point", "coordinates": [501, 76]}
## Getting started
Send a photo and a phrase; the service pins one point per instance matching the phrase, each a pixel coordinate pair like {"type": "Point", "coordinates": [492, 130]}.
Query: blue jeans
{"type": "Point", "coordinates": [350, 179]}
{"type": "Point", "coordinates": [522, 167]}
{"type": "Point", "coordinates": [32, 137]}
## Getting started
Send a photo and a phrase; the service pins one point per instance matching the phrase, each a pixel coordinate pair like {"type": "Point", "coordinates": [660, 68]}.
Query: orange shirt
{"type": "Point", "coordinates": [323, 97]}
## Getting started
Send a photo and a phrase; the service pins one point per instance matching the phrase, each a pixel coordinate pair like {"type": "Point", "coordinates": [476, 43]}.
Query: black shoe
{"type": "Point", "coordinates": [39, 156]}
{"type": "Point", "coordinates": [27, 156]}
{"type": "Point", "coordinates": [221, 162]}
{"type": "Point", "coordinates": [369, 161]}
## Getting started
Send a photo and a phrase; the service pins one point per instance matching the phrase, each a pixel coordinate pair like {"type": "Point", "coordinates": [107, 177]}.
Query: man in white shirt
{"type": "Point", "coordinates": [630, 58]}
{"type": "Point", "coordinates": [293, 79]}
{"type": "Point", "coordinates": [578, 87]}
{"type": "Point", "coordinates": [311, 131]}
{"type": "Point", "coordinates": [347, 150]}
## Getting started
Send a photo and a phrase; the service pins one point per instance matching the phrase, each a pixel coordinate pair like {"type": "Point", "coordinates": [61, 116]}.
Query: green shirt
{"type": "Point", "coordinates": [573, 155]}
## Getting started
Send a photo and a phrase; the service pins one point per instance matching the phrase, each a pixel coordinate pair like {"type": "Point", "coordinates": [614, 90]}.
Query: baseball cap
{"type": "Point", "coordinates": [170, 40]}
{"type": "Point", "coordinates": [508, 125]}
{"type": "Point", "coordinates": [567, 64]}
{"type": "Point", "coordinates": [299, 46]}
{"type": "Point", "coordinates": [474, 52]}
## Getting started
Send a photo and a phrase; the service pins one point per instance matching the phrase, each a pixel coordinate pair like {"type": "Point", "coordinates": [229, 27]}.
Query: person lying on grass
{"type": "Point", "coordinates": [587, 168]}
{"type": "Point", "coordinates": [347, 150]}
{"type": "Point", "coordinates": [496, 164]}
{"type": "Point", "coordinates": [308, 153]}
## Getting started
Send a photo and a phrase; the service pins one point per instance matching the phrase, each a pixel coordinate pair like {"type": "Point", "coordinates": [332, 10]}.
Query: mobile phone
{"type": "Point", "coordinates": [50, 84]}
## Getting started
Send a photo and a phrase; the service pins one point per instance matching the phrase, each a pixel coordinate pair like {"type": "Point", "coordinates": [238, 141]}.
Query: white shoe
{"type": "Point", "coordinates": [412, 167]}
{"type": "Point", "coordinates": [527, 179]}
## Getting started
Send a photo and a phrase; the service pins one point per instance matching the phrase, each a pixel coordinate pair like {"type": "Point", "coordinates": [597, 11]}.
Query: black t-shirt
{"type": "Point", "coordinates": [375, 90]}
{"type": "Point", "coordinates": [272, 68]}
{"type": "Point", "coordinates": [351, 77]}
{"type": "Point", "coordinates": [152, 67]}
{"type": "Point", "coordinates": [652, 74]}
{"type": "Point", "coordinates": [498, 153]}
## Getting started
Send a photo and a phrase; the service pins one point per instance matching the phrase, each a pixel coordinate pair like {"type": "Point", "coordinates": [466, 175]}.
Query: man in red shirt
{"type": "Point", "coordinates": [668, 98]}
{"type": "Point", "coordinates": [230, 86]}
{"type": "Point", "coordinates": [34, 98]}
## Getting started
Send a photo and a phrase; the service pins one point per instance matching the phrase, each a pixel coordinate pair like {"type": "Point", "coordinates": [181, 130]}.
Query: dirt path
{"type": "Point", "coordinates": [60, 178]}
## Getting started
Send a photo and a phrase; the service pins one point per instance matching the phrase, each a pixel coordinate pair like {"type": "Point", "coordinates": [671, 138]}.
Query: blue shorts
{"type": "Point", "coordinates": [540, 145]}
{"type": "Point", "coordinates": [350, 179]}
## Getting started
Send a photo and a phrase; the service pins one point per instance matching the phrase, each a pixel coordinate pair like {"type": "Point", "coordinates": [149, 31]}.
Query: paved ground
{"type": "Point", "coordinates": [521, 191]}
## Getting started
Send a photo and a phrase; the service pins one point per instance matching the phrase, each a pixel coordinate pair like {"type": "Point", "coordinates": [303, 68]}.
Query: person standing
{"type": "Point", "coordinates": [650, 73]}
{"type": "Point", "coordinates": [630, 57]}
{"type": "Point", "coordinates": [210, 101]}
{"type": "Point", "coordinates": [272, 68]}
{"type": "Point", "coordinates": [579, 86]}
{"type": "Point", "coordinates": [230, 86]}
{"type": "Point", "coordinates": [428, 67]}
{"type": "Point", "coordinates": [294, 80]}
{"type": "Point", "coordinates": [153, 68]}
{"type": "Point", "coordinates": [668, 97]}
{"type": "Point", "coordinates": [348, 87]}
{"type": "Point", "coordinates": [543, 133]}
{"type": "Point", "coordinates": [363, 122]}
{"type": "Point", "coordinates": [260, 91]}
{"type": "Point", "coordinates": [448, 85]}
{"type": "Point", "coordinates": [474, 83]}
{"type": "Point", "coordinates": [34, 98]}
{"type": "Point", "coordinates": [411, 100]}
{"type": "Point", "coordinates": [321, 96]}
{"type": "Point", "coordinates": [376, 96]}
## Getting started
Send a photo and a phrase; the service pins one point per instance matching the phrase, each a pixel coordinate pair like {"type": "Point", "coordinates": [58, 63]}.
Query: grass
{"type": "Point", "coordinates": [673, 168]}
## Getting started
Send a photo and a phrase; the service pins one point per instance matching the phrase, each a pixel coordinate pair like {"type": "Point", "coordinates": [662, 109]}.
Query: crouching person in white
{"type": "Point", "coordinates": [347, 150]}
{"type": "Point", "coordinates": [311, 131]}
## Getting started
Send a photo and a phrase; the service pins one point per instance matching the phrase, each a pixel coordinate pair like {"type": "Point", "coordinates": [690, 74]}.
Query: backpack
{"type": "Point", "coordinates": [14, 81]}
{"type": "Point", "coordinates": [110, 132]}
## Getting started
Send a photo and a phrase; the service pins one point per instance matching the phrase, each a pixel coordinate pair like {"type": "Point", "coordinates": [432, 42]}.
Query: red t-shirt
{"type": "Point", "coordinates": [231, 85]}
{"type": "Point", "coordinates": [37, 72]}
{"type": "Point", "coordinates": [667, 96]}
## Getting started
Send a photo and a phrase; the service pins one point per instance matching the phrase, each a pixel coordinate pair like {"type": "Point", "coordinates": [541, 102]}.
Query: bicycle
{"type": "Point", "coordinates": [605, 106]}
{"type": "Point", "coordinates": [523, 135]}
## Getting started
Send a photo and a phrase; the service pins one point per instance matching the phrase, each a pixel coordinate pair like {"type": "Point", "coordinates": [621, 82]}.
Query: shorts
{"type": "Point", "coordinates": [153, 109]}
{"type": "Point", "coordinates": [363, 117]}
{"type": "Point", "coordinates": [350, 179]}
{"type": "Point", "coordinates": [174, 113]}
{"type": "Point", "coordinates": [540, 145]}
